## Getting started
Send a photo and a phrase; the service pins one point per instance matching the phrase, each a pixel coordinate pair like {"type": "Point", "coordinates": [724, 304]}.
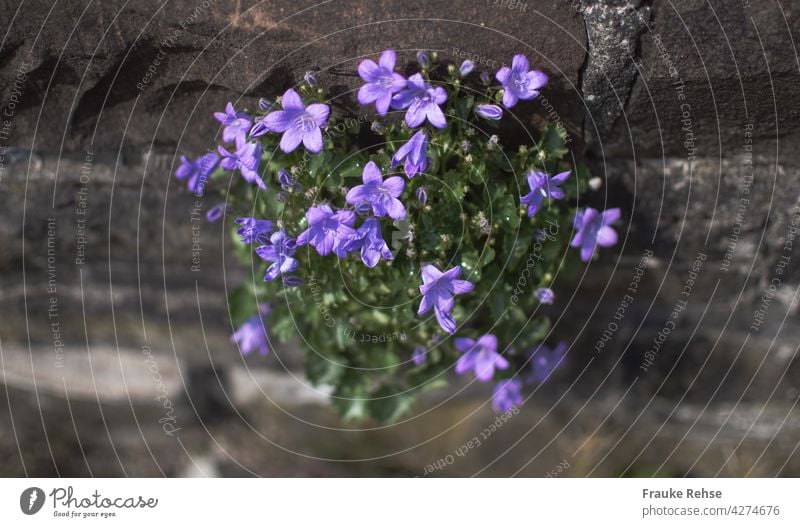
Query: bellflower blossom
{"type": "Point", "coordinates": [382, 195]}
{"type": "Point", "coordinates": [298, 123]}
{"type": "Point", "coordinates": [593, 228]}
{"type": "Point", "coordinates": [252, 334]}
{"type": "Point", "coordinates": [236, 124]}
{"type": "Point", "coordinates": [328, 231]}
{"type": "Point", "coordinates": [279, 252]}
{"type": "Point", "coordinates": [479, 355]}
{"type": "Point", "coordinates": [437, 291]}
{"type": "Point", "coordinates": [246, 159]}
{"type": "Point", "coordinates": [543, 186]}
{"type": "Point", "coordinates": [422, 102]}
{"type": "Point", "coordinates": [507, 394]}
{"type": "Point", "coordinates": [518, 82]}
{"type": "Point", "coordinates": [414, 153]}
{"type": "Point", "coordinates": [197, 172]}
{"type": "Point", "coordinates": [381, 81]}
{"type": "Point", "coordinates": [544, 361]}
{"type": "Point", "coordinates": [544, 295]}
{"type": "Point", "coordinates": [368, 238]}
{"type": "Point", "coordinates": [253, 230]}
{"type": "Point", "coordinates": [419, 355]}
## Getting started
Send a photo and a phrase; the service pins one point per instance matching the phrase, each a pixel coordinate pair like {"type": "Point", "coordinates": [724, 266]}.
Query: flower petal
{"type": "Point", "coordinates": [292, 101]}
{"type": "Point", "coordinates": [313, 140]}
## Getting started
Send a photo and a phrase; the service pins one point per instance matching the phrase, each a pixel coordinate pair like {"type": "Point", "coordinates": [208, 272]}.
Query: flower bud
{"type": "Point", "coordinates": [286, 180]}
{"type": "Point", "coordinates": [489, 111]}
{"type": "Point", "coordinates": [292, 281]}
{"type": "Point", "coordinates": [264, 104]}
{"type": "Point", "coordinates": [215, 212]}
{"type": "Point", "coordinates": [466, 68]}
{"type": "Point", "coordinates": [423, 59]}
{"type": "Point", "coordinates": [485, 78]}
{"type": "Point", "coordinates": [377, 127]}
{"type": "Point", "coordinates": [310, 78]}
{"type": "Point", "coordinates": [422, 195]}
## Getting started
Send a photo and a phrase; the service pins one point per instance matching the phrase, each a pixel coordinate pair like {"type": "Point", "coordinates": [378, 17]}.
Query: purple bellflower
{"type": "Point", "coordinates": [197, 172]}
{"type": "Point", "coordinates": [437, 291]}
{"type": "Point", "coordinates": [252, 335]}
{"type": "Point", "coordinates": [328, 231]}
{"type": "Point", "coordinates": [544, 361]}
{"type": "Point", "coordinates": [246, 159]}
{"type": "Point", "coordinates": [544, 295]}
{"type": "Point", "coordinates": [279, 252]}
{"type": "Point", "coordinates": [236, 124]}
{"type": "Point", "coordinates": [298, 123]}
{"type": "Point", "coordinates": [368, 238]}
{"type": "Point", "coordinates": [422, 102]}
{"type": "Point", "coordinates": [382, 195]}
{"type": "Point", "coordinates": [518, 82]}
{"type": "Point", "coordinates": [593, 228]}
{"type": "Point", "coordinates": [414, 153]}
{"type": "Point", "coordinates": [507, 394]}
{"type": "Point", "coordinates": [381, 81]}
{"type": "Point", "coordinates": [479, 355]}
{"type": "Point", "coordinates": [543, 186]}
{"type": "Point", "coordinates": [253, 230]}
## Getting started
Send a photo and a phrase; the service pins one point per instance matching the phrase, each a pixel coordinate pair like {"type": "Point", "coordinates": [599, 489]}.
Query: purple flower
{"type": "Point", "coordinates": [489, 111]}
{"type": "Point", "coordinates": [198, 171]}
{"type": "Point", "coordinates": [518, 82]}
{"type": "Point", "coordinates": [544, 361]}
{"type": "Point", "coordinates": [480, 356]}
{"type": "Point", "coordinates": [422, 102]}
{"type": "Point", "coordinates": [311, 78]}
{"type": "Point", "coordinates": [437, 291]}
{"type": "Point", "coordinates": [544, 295]}
{"type": "Point", "coordinates": [593, 228]}
{"type": "Point", "coordinates": [279, 252]}
{"type": "Point", "coordinates": [253, 230]}
{"type": "Point", "coordinates": [419, 355]}
{"type": "Point", "coordinates": [466, 68]}
{"type": "Point", "coordinates": [506, 395]}
{"type": "Point", "coordinates": [328, 231]}
{"type": "Point", "coordinates": [543, 186]}
{"type": "Point", "coordinates": [246, 159]}
{"type": "Point", "coordinates": [368, 238]}
{"type": "Point", "coordinates": [297, 123]}
{"type": "Point", "coordinates": [236, 124]}
{"type": "Point", "coordinates": [414, 153]}
{"type": "Point", "coordinates": [252, 335]}
{"type": "Point", "coordinates": [382, 195]}
{"type": "Point", "coordinates": [381, 81]}
{"type": "Point", "coordinates": [216, 212]}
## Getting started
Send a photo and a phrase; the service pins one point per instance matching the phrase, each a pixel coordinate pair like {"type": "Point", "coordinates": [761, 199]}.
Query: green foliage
{"type": "Point", "coordinates": [358, 326]}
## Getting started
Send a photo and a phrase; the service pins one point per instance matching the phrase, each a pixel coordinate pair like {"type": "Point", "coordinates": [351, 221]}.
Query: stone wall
{"type": "Point", "coordinates": [687, 110]}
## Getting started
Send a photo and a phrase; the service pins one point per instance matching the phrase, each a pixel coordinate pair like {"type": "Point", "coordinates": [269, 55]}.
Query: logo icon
{"type": "Point", "coordinates": [31, 500]}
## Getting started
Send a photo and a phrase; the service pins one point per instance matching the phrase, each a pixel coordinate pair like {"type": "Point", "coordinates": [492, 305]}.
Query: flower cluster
{"type": "Point", "coordinates": [400, 233]}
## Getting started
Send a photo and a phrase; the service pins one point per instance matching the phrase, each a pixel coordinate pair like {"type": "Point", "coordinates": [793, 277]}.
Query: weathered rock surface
{"type": "Point", "coordinates": [687, 109]}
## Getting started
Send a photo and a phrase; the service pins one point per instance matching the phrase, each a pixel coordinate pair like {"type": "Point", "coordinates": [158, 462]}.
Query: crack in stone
{"type": "Point", "coordinates": [613, 31]}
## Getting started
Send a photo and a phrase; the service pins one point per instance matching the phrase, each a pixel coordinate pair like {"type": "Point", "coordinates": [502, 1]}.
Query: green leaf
{"type": "Point", "coordinates": [387, 403]}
